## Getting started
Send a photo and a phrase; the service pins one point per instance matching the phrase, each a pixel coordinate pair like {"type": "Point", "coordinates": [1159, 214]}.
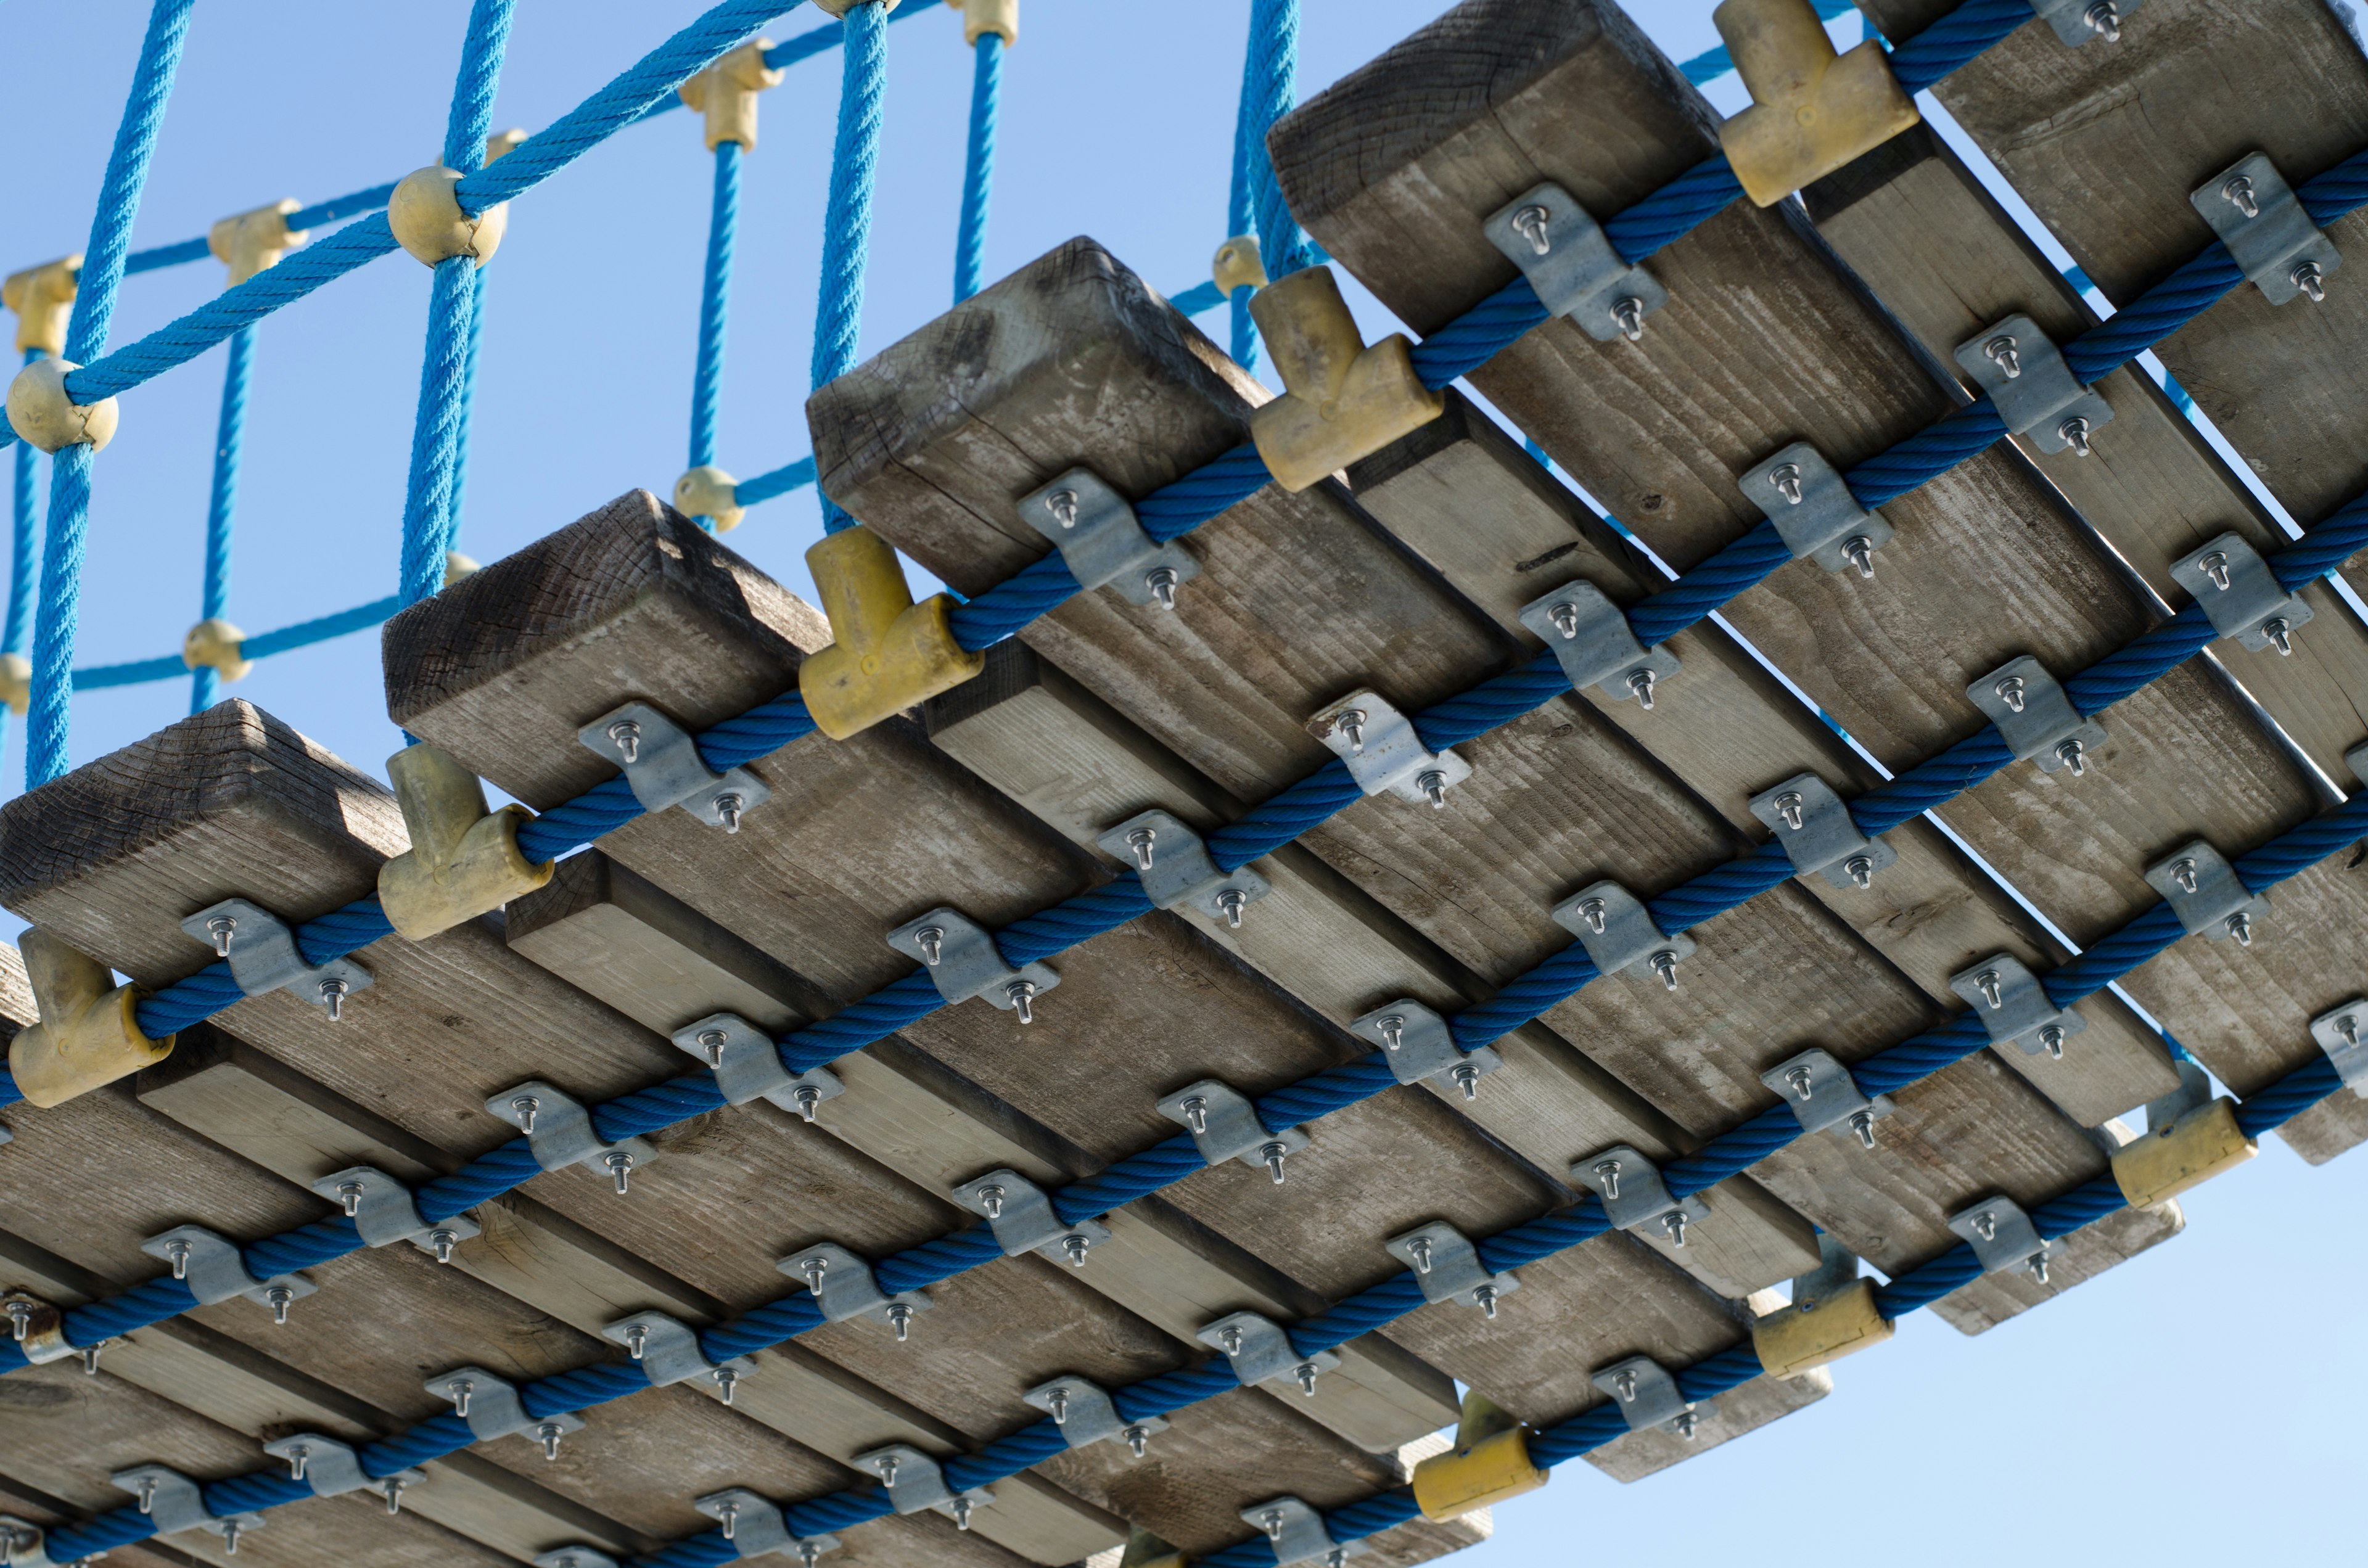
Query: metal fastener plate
{"type": "Point", "coordinates": [1021, 1215]}
{"type": "Point", "coordinates": [1384, 753]}
{"type": "Point", "coordinates": [1619, 932]}
{"type": "Point", "coordinates": [1418, 1044]}
{"type": "Point", "coordinates": [844, 1287]}
{"type": "Point", "coordinates": [1570, 264]}
{"type": "Point", "coordinates": [2240, 595]}
{"type": "Point", "coordinates": [1634, 1196]}
{"type": "Point", "coordinates": [747, 1065]}
{"type": "Point", "coordinates": [1590, 637]}
{"type": "Point", "coordinates": [2003, 1237]}
{"type": "Point", "coordinates": [1447, 1267]}
{"type": "Point", "coordinates": [1818, 833]}
{"type": "Point", "coordinates": [1177, 870]}
{"type": "Point", "coordinates": [2077, 21]}
{"type": "Point", "coordinates": [1821, 1092]}
{"type": "Point", "coordinates": [2205, 892]}
{"type": "Point", "coordinates": [662, 766]}
{"type": "Point", "coordinates": [915, 1482]}
{"type": "Point", "coordinates": [1814, 511]}
{"type": "Point", "coordinates": [2343, 1032]}
{"type": "Point", "coordinates": [331, 1468]}
{"type": "Point", "coordinates": [963, 962]}
{"type": "Point", "coordinates": [2035, 392]}
{"type": "Point", "coordinates": [262, 955]}
{"type": "Point", "coordinates": [1295, 1531]}
{"type": "Point", "coordinates": [1648, 1396]}
{"type": "Point", "coordinates": [2035, 717]}
{"type": "Point", "coordinates": [2275, 240]}
{"type": "Point", "coordinates": [558, 1127]}
{"type": "Point", "coordinates": [1259, 1350]}
{"type": "Point", "coordinates": [1085, 1413]}
{"type": "Point", "coordinates": [1103, 543]}
{"type": "Point", "coordinates": [1225, 1125]}
{"type": "Point", "coordinates": [2015, 1007]}
{"type": "Point", "coordinates": [670, 1349]}
{"type": "Point", "coordinates": [384, 1211]}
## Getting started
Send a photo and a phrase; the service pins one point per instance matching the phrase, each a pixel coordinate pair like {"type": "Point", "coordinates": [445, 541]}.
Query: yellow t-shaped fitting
{"type": "Point", "coordinates": [1239, 262]}
{"type": "Point", "coordinates": [43, 299]}
{"type": "Point", "coordinates": [726, 94]}
{"type": "Point", "coordinates": [16, 682]}
{"type": "Point", "coordinates": [709, 492]}
{"type": "Point", "coordinates": [1341, 400]}
{"type": "Point", "coordinates": [87, 1035]}
{"type": "Point", "coordinates": [464, 861]}
{"type": "Point", "coordinates": [981, 17]}
{"type": "Point", "coordinates": [2205, 1141]}
{"type": "Point", "coordinates": [1489, 1462]}
{"type": "Point", "coordinates": [216, 644]}
{"type": "Point", "coordinates": [1811, 112]}
{"type": "Point", "coordinates": [841, 7]}
{"type": "Point", "coordinates": [249, 242]}
{"type": "Point", "coordinates": [887, 654]}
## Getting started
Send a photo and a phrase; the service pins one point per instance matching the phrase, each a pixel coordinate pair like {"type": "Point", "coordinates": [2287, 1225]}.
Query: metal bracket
{"type": "Point", "coordinates": [2343, 1032]}
{"type": "Point", "coordinates": [1595, 646]}
{"type": "Point", "coordinates": [754, 1526]}
{"type": "Point", "coordinates": [1085, 1413]}
{"type": "Point", "coordinates": [914, 1481]}
{"type": "Point", "coordinates": [2267, 230]}
{"type": "Point", "coordinates": [1818, 833]}
{"type": "Point", "coordinates": [2035, 392]}
{"type": "Point", "coordinates": [2205, 892]}
{"type": "Point", "coordinates": [1259, 1350]}
{"type": "Point", "coordinates": [2003, 1237]}
{"type": "Point", "coordinates": [1814, 511]}
{"type": "Point", "coordinates": [1225, 1125]}
{"type": "Point", "coordinates": [1570, 264]}
{"type": "Point", "coordinates": [2077, 21]}
{"type": "Point", "coordinates": [23, 1544]}
{"type": "Point", "coordinates": [1297, 1532]}
{"type": "Point", "coordinates": [1382, 750]}
{"type": "Point", "coordinates": [1649, 1397]}
{"type": "Point", "coordinates": [669, 1352]}
{"type": "Point", "coordinates": [1821, 1092]}
{"type": "Point", "coordinates": [1102, 542]}
{"type": "Point", "coordinates": [329, 1466]}
{"type": "Point", "coordinates": [1177, 870]}
{"type": "Point", "coordinates": [747, 1065]}
{"type": "Point", "coordinates": [175, 1503]}
{"type": "Point", "coordinates": [384, 1210]}
{"type": "Point", "coordinates": [1619, 932]}
{"type": "Point", "coordinates": [2034, 716]}
{"type": "Point", "coordinates": [2241, 595]}
{"type": "Point", "coordinates": [1447, 1268]}
{"type": "Point", "coordinates": [963, 962]}
{"type": "Point", "coordinates": [844, 1287]}
{"type": "Point", "coordinates": [490, 1406]}
{"type": "Point", "coordinates": [1418, 1044]}
{"type": "Point", "coordinates": [1633, 1195]}
{"type": "Point", "coordinates": [574, 1557]}
{"type": "Point", "coordinates": [215, 1270]}
{"type": "Point", "coordinates": [37, 1327]}
{"type": "Point", "coordinates": [263, 956]}
{"type": "Point", "coordinates": [662, 766]}
{"type": "Point", "coordinates": [558, 1127]}
{"type": "Point", "coordinates": [2014, 1007]}
{"type": "Point", "coordinates": [1022, 1218]}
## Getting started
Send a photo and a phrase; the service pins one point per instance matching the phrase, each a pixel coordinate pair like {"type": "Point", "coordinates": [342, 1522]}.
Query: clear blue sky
{"type": "Point", "coordinates": [2146, 1413]}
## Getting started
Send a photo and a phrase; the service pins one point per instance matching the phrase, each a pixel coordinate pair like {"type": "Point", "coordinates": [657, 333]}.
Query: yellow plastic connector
{"type": "Point", "coordinates": [87, 1035]}
{"type": "Point", "coordinates": [1145, 1549]}
{"type": "Point", "coordinates": [709, 492]}
{"type": "Point", "coordinates": [1810, 1332]}
{"type": "Point", "coordinates": [41, 412]}
{"type": "Point", "coordinates": [1341, 400]}
{"type": "Point", "coordinates": [43, 299]}
{"type": "Point", "coordinates": [502, 143]}
{"type": "Point", "coordinates": [216, 644]}
{"type": "Point", "coordinates": [841, 7]}
{"type": "Point", "coordinates": [1489, 1462]}
{"type": "Point", "coordinates": [2205, 1141]}
{"type": "Point", "coordinates": [16, 682]}
{"type": "Point", "coordinates": [887, 654]}
{"type": "Point", "coordinates": [1811, 111]}
{"type": "Point", "coordinates": [1237, 263]}
{"type": "Point", "coordinates": [983, 17]}
{"type": "Point", "coordinates": [459, 567]}
{"type": "Point", "coordinates": [726, 94]}
{"type": "Point", "coordinates": [250, 242]}
{"type": "Point", "coordinates": [464, 861]}
{"type": "Point", "coordinates": [427, 221]}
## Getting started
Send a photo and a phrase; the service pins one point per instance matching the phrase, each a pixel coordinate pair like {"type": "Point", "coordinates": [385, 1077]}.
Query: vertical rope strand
{"type": "Point", "coordinates": [454, 508]}
{"type": "Point", "coordinates": [978, 172]}
{"type": "Point", "coordinates": [847, 222]}
{"type": "Point", "coordinates": [102, 272]}
{"type": "Point", "coordinates": [1241, 220]}
{"type": "Point", "coordinates": [20, 625]}
{"type": "Point", "coordinates": [714, 304]}
{"type": "Point", "coordinates": [1270, 76]}
{"type": "Point", "coordinates": [214, 597]}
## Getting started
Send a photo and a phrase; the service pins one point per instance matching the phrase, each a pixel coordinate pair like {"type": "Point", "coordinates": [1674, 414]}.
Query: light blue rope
{"type": "Point", "coordinates": [978, 170]}
{"type": "Point", "coordinates": [19, 624]}
{"type": "Point", "coordinates": [714, 304]}
{"type": "Point", "coordinates": [453, 511]}
{"type": "Point", "coordinates": [780, 481]}
{"type": "Point", "coordinates": [1270, 72]}
{"type": "Point", "coordinates": [93, 311]}
{"type": "Point", "coordinates": [214, 597]}
{"type": "Point", "coordinates": [1241, 220]}
{"type": "Point", "coordinates": [847, 223]}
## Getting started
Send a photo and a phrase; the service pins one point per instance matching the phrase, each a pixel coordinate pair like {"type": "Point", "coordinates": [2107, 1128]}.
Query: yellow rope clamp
{"type": "Point", "coordinates": [983, 17]}
{"type": "Point", "coordinates": [48, 419]}
{"type": "Point", "coordinates": [87, 1035]}
{"type": "Point", "coordinates": [1341, 400]}
{"type": "Point", "coordinates": [841, 7]}
{"type": "Point", "coordinates": [1811, 1332]}
{"type": "Point", "coordinates": [427, 221]}
{"type": "Point", "coordinates": [2200, 1144]}
{"type": "Point", "coordinates": [1489, 1462]}
{"type": "Point", "coordinates": [1237, 263]}
{"type": "Point", "coordinates": [887, 654]}
{"type": "Point", "coordinates": [16, 682]}
{"type": "Point", "coordinates": [458, 567]}
{"type": "Point", "coordinates": [1811, 111]}
{"type": "Point", "coordinates": [43, 299]}
{"type": "Point", "coordinates": [464, 861]}
{"type": "Point", "coordinates": [216, 643]}
{"type": "Point", "coordinates": [709, 492]}
{"type": "Point", "coordinates": [726, 94]}
{"type": "Point", "coordinates": [250, 242]}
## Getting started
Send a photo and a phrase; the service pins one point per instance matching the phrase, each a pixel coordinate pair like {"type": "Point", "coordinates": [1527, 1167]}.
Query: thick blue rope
{"type": "Point", "coordinates": [221, 506]}
{"type": "Point", "coordinates": [714, 303]}
{"type": "Point", "coordinates": [457, 506]}
{"type": "Point", "coordinates": [1270, 76]}
{"type": "Point", "coordinates": [978, 168]}
{"type": "Point", "coordinates": [846, 222]}
{"type": "Point", "coordinates": [18, 627]}
{"type": "Point", "coordinates": [1241, 219]}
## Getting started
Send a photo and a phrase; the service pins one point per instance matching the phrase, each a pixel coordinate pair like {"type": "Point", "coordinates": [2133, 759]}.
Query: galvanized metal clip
{"type": "Point", "coordinates": [491, 1406]}
{"type": "Point", "coordinates": [37, 1327]}
{"type": "Point", "coordinates": [263, 956]}
{"type": "Point", "coordinates": [1261, 1351]}
{"type": "Point", "coordinates": [2015, 1007]}
{"type": "Point", "coordinates": [2003, 1237]}
{"type": "Point", "coordinates": [1384, 753]}
{"type": "Point", "coordinates": [574, 1557]}
{"type": "Point", "coordinates": [2077, 21]}
{"type": "Point", "coordinates": [1595, 646]}
{"type": "Point", "coordinates": [1634, 1196]}
{"type": "Point", "coordinates": [2203, 890]}
{"type": "Point", "coordinates": [1814, 511]}
{"type": "Point", "coordinates": [1085, 1413]}
{"type": "Point", "coordinates": [915, 1482]}
{"type": "Point", "coordinates": [2241, 595]}
{"type": "Point", "coordinates": [1649, 1398]}
{"type": "Point", "coordinates": [1818, 833]}
{"type": "Point", "coordinates": [669, 1352]}
{"type": "Point", "coordinates": [23, 1544]}
{"type": "Point", "coordinates": [2267, 230]}
{"type": "Point", "coordinates": [384, 1210]}
{"type": "Point", "coordinates": [1297, 1532]}
{"type": "Point", "coordinates": [2343, 1032]}
{"type": "Point", "coordinates": [1447, 1267]}
{"type": "Point", "coordinates": [2028, 383]}
{"type": "Point", "coordinates": [1821, 1092]}
{"type": "Point", "coordinates": [747, 1065]}
{"type": "Point", "coordinates": [558, 1127]}
{"type": "Point", "coordinates": [2036, 718]}
{"type": "Point", "coordinates": [662, 766]}
{"type": "Point", "coordinates": [758, 1529]}
{"type": "Point", "coordinates": [1620, 933]}
{"type": "Point", "coordinates": [1021, 1215]}
{"type": "Point", "coordinates": [214, 1271]}
{"type": "Point", "coordinates": [1225, 1125]}
{"type": "Point", "coordinates": [1102, 542]}
{"type": "Point", "coordinates": [1418, 1044]}
{"type": "Point", "coordinates": [332, 1468]}
{"type": "Point", "coordinates": [843, 1287]}
{"type": "Point", "coordinates": [1570, 264]}
{"type": "Point", "coordinates": [174, 1503]}
{"type": "Point", "coordinates": [1177, 870]}
{"type": "Point", "coordinates": [963, 962]}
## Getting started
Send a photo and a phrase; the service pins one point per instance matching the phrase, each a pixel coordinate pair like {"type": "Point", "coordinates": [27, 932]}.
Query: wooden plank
{"type": "Point", "coordinates": [28, 1502]}
{"type": "Point", "coordinates": [1918, 226]}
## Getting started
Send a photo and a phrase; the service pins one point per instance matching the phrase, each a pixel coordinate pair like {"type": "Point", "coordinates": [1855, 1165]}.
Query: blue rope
{"type": "Point", "coordinates": [978, 169]}
{"type": "Point", "coordinates": [847, 222]}
{"type": "Point", "coordinates": [222, 503]}
{"type": "Point", "coordinates": [1270, 70]}
{"type": "Point", "coordinates": [455, 509]}
{"type": "Point", "coordinates": [780, 481]}
{"type": "Point", "coordinates": [18, 626]}
{"type": "Point", "coordinates": [714, 302]}
{"type": "Point", "coordinates": [1241, 219]}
